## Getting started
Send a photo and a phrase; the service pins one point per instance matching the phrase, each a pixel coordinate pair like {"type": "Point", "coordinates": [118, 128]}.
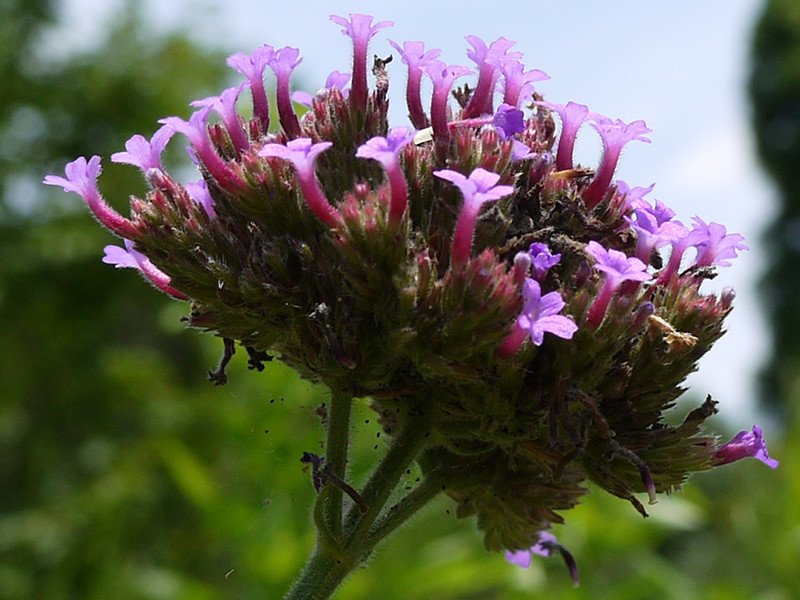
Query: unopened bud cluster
{"type": "Point", "coordinates": [544, 315]}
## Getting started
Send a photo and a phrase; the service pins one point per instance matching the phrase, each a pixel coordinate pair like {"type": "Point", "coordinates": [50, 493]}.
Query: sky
{"type": "Point", "coordinates": [682, 67]}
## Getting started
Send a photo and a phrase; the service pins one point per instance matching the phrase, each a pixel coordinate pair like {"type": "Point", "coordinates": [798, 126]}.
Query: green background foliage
{"type": "Point", "coordinates": [124, 474]}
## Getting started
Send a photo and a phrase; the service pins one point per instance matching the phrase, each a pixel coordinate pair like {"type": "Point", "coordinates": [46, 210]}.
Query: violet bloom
{"type": "Point", "coordinates": [481, 186]}
{"type": "Point", "coordinates": [654, 228]}
{"type": "Point", "coordinates": [615, 134]}
{"type": "Point", "coordinates": [360, 29]}
{"type": "Point", "coordinates": [386, 150]}
{"type": "Point", "coordinates": [283, 62]}
{"type": "Point", "coordinates": [508, 121]}
{"type": "Point", "coordinates": [488, 60]}
{"type": "Point", "coordinates": [547, 544]}
{"type": "Point", "coordinates": [225, 106]}
{"type": "Point", "coordinates": [128, 257]}
{"type": "Point", "coordinates": [417, 59]}
{"type": "Point", "coordinates": [143, 153]}
{"type": "Point", "coordinates": [252, 67]}
{"type": "Point", "coordinates": [542, 260]}
{"type": "Point", "coordinates": [302, 153]}
{"type": "Point", "coordinates": [618, 267]}
{"type": "Point", "coordinates": [540, 315]}
{"type": "Point", "coordinates": [633, 197]}
{"type": "Point", "coordinates": [572, 115]}
{"type": "Point", "coordinates": [518, 82]}
{"type": "Point", "coordinates": [745, 444]}
{"type": "Point", "coordinates": [196, 130]}
{"type": "Point", "coordinates": [442, 77]}
{"type": "Point", "coordinates": [718, 245]}
{"type": "Point", "coordinates": [81, 178]}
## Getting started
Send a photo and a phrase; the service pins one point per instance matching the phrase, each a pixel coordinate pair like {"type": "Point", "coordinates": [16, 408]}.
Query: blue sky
{"type": "Point", "coordinates": [681, 67]}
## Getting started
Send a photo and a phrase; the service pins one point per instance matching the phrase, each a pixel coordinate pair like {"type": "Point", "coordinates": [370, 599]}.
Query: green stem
{"type": "Point", "coordinates": [336, 556]}
{"type": "Point", "coordinates": [336, 457]}
{"type": "Point", "coordinates": [404, 449]}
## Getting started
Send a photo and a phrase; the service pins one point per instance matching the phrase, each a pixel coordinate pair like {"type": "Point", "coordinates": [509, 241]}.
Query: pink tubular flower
{"type": "Point", "coordinates": [142, 153]}
{"type": "Point", "coordinates": [572, 115]}
{"type": "Point", "coordinates": [386, 151]}
{"type": "Point", "coordinates": [615, 134]}
{"type": "Point", "coordinates": [360, 29]}
{"type": "Point", "coordinates": [196, 130]}
{"type": "Point", "coordinates": [302, 153]}
{"type": "Point", "coordinates": [252, 67]}
{"type": "Point", "coordinates": [82, 179]}
{"type": "Point", "coordinates": [481, 186]}
{"type": "Point", "coordinates": [488, 59]}
{"type": "Point", "coordinates": [745, 444]}
{"type": "Point", "coordinates": [442, 77]}
{"type": "Point", "coordinates": [618, 268]}
{"type": "Point", "coordinates": [129, 258]}
{"type": "Point", "coordinates": [415, 57]}
{"type": "Point", "coordinates": [225, 106]}
{"type": "Point", "coordinates": [547, 544]}
{"type": "Point", "coordinates": [283, 62]}
{"type": "Point", "coordinates": [519, 82]}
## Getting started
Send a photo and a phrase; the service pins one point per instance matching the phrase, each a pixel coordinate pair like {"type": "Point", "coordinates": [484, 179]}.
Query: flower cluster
{"type": "Point", "coordinates": [540, 314]}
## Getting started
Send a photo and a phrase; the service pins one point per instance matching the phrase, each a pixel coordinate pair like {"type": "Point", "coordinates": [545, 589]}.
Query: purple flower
{"type": "Point", "coordinates": [542, 260]}
{"type": "Point", "coordinates": [82, 179]}
{"type": "Point", "coordinates": [540, 314]}
{"type": "Point", "coordinates": [225, 106]}
{"type": "Point", "coordinates": [252, 67]}
{"type": "Point", "coordinates": [283, 62]}
{"type": "Point", "coordinates": [615, 134]}
{"type": "Point", "coordinates": [633, 197]}
{"type": "Point", "coordinates": [480, 187]}
{"type": "Point", "coordinates": [618, 267]}
{"type": "Point", "coordinates": [654, 229]}
{"type": "Point", "coordinates": [718, 245]}
{"type": "Point", "coordinates": [417, 59]}
{"type": "Point", "coordinates": [142, 153]}
{"type": "Point", "coordinates": [386, 151]}
{"type": "Point", "coordinates": [745, 444]}
{"type": "Point", "coordinates": [442, 77]}
{"type": "Point", "coordinates": [302, 153]}
{"type": "Point", "coordinates": [522, 558]}
{"type": "Point", "coordinates": [128, 257]}
{"type": "Point", "coordinates": [572, 117]}
{"type": "Point", "coordinates": [518, 82]}
{"type": "Point", "coordinates": [488, 60]}
{"type": "Point", "coordinates": [547, 544]}
{"type": "Point", "coordinates": [508, 121]}
{"type": "Point", "coordinates": [360, 29]}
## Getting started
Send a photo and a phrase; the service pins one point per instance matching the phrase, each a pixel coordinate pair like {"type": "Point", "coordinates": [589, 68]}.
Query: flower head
{"type": "Point", "coordinates": [542, 260]}
{"type": "Point", "coordinates": [618, 267]}
{"type": "Point", "coordinates": [283, 62]}
{"type": "Point", "coordinates": [519, 82]}
{"type": "Point", "coordinates": [547, 544]}
{"type": "Point", "coordinates": [745, 444]}
{"type": "Point", "coordinates": [573, 115]}
{"type": "Point", "coordinates": [540, 314]}
{"type": "Point", "coordinates": [488, 59]}
{"type": "Point", "coordinates": [129, 257]}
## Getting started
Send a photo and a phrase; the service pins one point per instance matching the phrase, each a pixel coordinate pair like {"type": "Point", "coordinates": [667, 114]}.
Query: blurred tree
{"type": "Point", "coordinates": [775, 94]}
